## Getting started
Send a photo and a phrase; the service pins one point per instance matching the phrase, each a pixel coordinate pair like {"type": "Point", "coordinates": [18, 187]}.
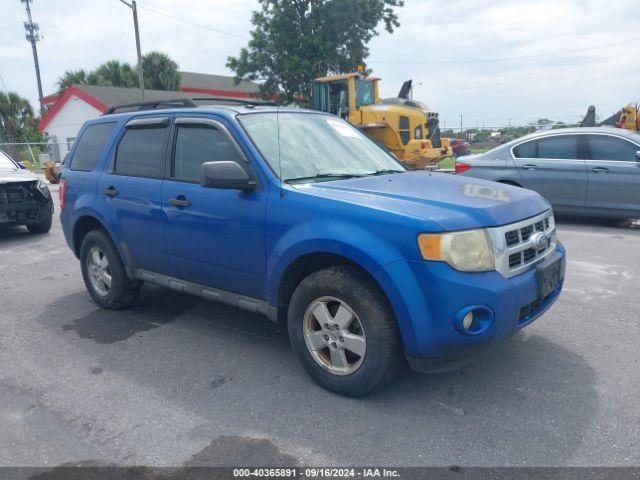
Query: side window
{"type": "Point", "coordinates": [604, 147]}
{"type": "Point", "coordinates": [405, 130]}
{"type": "Point", "coordinates": [526, 150]}
{"type": "Point", "coordinates": [197, 144]}
{"type": "Point", "coordinates": [140, 153]}
{"type": "Point", "coordinates": [90, 145]}
{"type": "Point", "coordinates": [558, 147]}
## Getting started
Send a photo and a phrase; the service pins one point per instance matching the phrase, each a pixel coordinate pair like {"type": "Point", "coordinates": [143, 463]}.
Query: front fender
{"type": "Point", "coordinates": [355, 243]}
{"type": "Point", "coordinates": [336, 237]}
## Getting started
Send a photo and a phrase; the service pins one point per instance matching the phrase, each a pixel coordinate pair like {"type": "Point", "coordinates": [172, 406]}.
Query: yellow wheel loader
{"type": "Point", "coordinates": [627, 117]}
{"type": "Point", "coordinates": [404, 126]}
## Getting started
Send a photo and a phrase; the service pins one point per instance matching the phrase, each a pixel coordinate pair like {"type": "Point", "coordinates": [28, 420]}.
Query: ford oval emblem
{"type": "Point", "coordinates": [539, 240]}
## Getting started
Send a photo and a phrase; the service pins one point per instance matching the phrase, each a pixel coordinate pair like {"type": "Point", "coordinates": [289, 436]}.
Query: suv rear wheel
{"type": "Point", "coordinates": [104, 274]}
{"type": "Point", "coordinates": [343, 331]}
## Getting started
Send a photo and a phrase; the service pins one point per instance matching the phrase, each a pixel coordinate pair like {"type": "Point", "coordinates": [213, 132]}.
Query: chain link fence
{"type": "Point", "coordinates": [35, 154]}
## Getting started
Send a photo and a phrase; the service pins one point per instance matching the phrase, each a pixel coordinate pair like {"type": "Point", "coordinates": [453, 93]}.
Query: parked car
{"type": "Point", "coordinates": [24, 200]}
{"type": "Point", "coordinates": [299, 216]}
{"type": "Point", "coordinates": [585, 171]}
{"type": "Point", "coordinates": [460, 147]}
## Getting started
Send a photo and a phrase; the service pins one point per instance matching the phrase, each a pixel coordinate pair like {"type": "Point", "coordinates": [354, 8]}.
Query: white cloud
{"type": "Point", "coordinates": [83, 34]}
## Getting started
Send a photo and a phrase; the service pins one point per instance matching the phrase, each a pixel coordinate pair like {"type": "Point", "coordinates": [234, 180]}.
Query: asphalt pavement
{"type": "Point", "coordinates": [176, 380]}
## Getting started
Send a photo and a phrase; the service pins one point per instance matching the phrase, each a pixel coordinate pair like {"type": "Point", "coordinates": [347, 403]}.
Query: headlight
{"type": "Point", "coordinates": [43, 188]}
{"type": "Point", "coordinates": [468, 251]}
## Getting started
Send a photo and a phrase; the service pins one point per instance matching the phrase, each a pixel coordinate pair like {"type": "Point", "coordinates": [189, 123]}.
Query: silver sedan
{"type": "Point", "coordinates": [589, 171]}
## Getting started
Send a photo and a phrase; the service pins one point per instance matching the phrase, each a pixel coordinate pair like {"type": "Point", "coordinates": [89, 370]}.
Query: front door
{"type": "Point", "coordinates": [614, 174]}
{"type": "Point", "coordinates": [554, 167]}
{"type": "Point", "coordinates": [130, 191]}
{"type": "Point", "coordinates": [214, 236]}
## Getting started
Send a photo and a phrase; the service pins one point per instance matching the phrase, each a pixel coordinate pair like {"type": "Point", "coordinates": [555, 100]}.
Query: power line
{"type": "Point", "coordinates": [506, 59]}
{"type": "Point", "coordinates": [189, 22]}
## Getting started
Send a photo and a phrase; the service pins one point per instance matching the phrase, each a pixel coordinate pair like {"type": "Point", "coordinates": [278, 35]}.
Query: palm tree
{"type": "Point", "coordinates": [70, 77]}
{"type": "Point", "coordinates": [160, 72]}
{"type": "Point", "coordinates": [115, 74]}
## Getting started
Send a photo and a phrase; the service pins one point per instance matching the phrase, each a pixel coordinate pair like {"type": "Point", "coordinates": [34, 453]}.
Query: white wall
{"type": "Point", "coordinates": [68, 121]}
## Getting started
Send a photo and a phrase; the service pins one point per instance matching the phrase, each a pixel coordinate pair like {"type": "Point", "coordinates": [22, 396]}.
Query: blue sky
{"type": "Point", "coordinates": [491, 61]}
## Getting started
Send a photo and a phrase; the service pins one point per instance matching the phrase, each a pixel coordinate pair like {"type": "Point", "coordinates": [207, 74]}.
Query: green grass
{"type": "Point", "coordinates": [480, 149]}
{"type": "Point", "coordinates": [447, 163]}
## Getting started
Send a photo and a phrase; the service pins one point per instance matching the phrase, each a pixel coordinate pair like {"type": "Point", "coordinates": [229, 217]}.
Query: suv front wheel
{"type": "Point", "coordinates": [104, 274]}
{"type": "Point", "coordinates": [344, 332]}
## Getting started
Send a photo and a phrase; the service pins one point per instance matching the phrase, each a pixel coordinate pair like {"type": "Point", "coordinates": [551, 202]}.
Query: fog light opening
{"type": "Point", "coordinates": [473, 320]}
{"type": "Point", "coordinates": [467, 321]}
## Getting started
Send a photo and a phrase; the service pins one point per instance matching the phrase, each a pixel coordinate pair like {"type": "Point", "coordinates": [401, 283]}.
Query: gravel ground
{"type": "Point", "coordinates": [179, 381]}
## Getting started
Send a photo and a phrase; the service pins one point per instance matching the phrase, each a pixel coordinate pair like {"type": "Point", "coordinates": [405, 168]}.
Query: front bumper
{"type": "Point", "coordinates": [429, 295]}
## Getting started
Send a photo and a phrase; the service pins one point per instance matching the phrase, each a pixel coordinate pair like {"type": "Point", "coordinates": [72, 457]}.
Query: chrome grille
{"type": "Point", "coordinates": [516, 247]}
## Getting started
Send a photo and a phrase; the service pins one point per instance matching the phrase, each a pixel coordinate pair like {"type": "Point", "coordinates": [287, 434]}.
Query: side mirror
{"type": "Point", "coordinates": [638, 156]}
{"type": "Point", "coordinates": [226, 174]}
{"type": "Point", "coordinates": [22, 165]}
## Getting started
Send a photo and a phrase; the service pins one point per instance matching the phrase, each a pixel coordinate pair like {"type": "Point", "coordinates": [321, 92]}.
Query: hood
{"type": "Point", "coordinates": [17, 176]}
{"type": "Point", "coordinates": [450, 201]}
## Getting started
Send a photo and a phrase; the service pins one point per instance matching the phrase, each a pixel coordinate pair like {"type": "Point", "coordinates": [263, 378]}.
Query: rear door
{"type": "Point", "coordinates": [130, 189]}
{"type": "Point", "coordinates": [614, 174]}
{"type": "Point", "coordinates": [554, 166]}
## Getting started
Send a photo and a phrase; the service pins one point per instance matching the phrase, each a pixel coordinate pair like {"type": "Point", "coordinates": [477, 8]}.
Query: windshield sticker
{"type": "Point", "coordinates": [342, 128]}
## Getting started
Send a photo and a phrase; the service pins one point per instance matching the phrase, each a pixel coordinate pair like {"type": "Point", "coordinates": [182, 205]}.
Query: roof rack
{"type": "Point", "coordinates": [180, 102]}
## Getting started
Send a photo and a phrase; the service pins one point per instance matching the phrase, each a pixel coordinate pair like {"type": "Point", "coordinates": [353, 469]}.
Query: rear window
{"type": "Point", "coordinates": [90, 146]}
{"type": "Point", "coordinates": [141, 152]}
{"type": "Point", "coordinates": [558, 147]}
{"type": "Point", "coordinates": [604, 147]}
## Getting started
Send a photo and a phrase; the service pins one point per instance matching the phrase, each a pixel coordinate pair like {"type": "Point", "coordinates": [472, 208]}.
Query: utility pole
{"type": "Point", "coordinates": [33, 35]}
{"type": "Point", "coordinates": [134, 9]}
{"type": "Point", "coordinates": [461, 115]}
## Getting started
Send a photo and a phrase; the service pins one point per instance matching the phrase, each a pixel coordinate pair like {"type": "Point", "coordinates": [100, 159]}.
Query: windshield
{"type": "Point", "coordinates": [6, 164]}
{"type": "Point", "coordinates": [312, 146]}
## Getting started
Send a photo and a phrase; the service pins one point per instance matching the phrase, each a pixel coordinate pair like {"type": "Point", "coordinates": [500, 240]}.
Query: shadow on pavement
{"type": "Point", "coordinates": [224, 363]}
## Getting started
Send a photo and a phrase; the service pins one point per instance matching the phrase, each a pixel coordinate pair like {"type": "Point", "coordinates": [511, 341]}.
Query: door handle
{"type": "Point", "coordinates": [179, 202]}
{"type": "Point", "coordinates": [600, 170]}
{"type": "Point", "coordinates": [110, 191]}
{"type": "Point", "coordinates": [530, 166]}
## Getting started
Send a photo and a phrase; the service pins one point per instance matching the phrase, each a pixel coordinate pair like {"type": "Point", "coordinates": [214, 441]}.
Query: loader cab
{"type": "Point", "coordinates": [345, 95]}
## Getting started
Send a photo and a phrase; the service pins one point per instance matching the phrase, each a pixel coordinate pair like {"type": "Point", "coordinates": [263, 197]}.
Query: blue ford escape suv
{"type": "Point", "coordinates": [297, 215]}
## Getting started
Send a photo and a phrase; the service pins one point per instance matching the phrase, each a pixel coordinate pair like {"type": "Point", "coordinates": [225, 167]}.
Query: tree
{"type": "Point", "coordinates": [17, 121]}
{"type": "Point", "coordinates": [160, 72]}
{"type": "Point", "coordinates": [70, 77]}
{"type": "Point", "coordinates": [115, 74]}
{"type": "Point", "coordinates": [294, 42]}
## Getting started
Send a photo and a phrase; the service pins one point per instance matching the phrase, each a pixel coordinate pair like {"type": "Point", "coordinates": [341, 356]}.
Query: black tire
{"type": "Point", "coordinates": [383, 358]}
{"type": "Point", "coordinates": [123, 291]}
{"type": "Point", "coordinates": [510, 182]}
{"type": "Point", "coordinates": [45, 219]}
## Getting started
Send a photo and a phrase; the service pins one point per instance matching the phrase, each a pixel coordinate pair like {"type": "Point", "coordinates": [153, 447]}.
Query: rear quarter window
{"type": "Point", "coordinates": [90, 146]}
{"type": "Point", "coordinates": [526, 150]}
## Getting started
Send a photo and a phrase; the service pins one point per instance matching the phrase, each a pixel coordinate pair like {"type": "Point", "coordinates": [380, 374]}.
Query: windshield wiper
{"type": "Point", "coordinates": [385, 172]}
{"type": "Point", "coordinates": [328, 175]}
